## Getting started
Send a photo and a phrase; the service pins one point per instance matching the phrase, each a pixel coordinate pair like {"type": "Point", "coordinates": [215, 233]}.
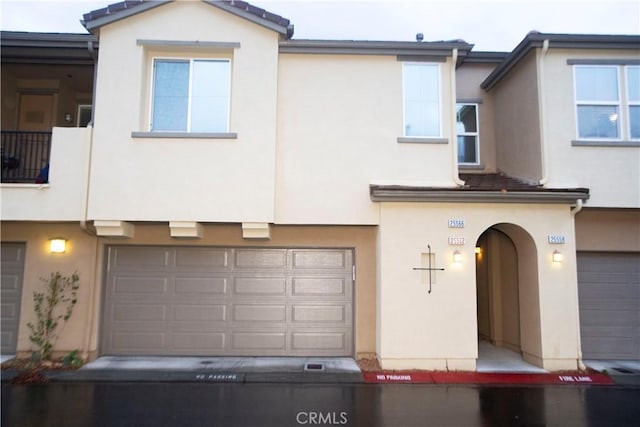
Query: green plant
{"type": "Point", "coordinates": [72, 359]}
{"type": "Point", "coordinates": [60, 291]}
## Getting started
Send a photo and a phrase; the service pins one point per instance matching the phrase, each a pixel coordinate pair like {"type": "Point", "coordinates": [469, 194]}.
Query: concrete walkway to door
{"type": "Point", "coordinates": [500, 359]}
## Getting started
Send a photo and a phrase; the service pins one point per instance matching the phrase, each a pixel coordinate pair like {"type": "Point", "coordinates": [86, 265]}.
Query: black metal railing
{"type": "Point", "coordinates": [25, 156]}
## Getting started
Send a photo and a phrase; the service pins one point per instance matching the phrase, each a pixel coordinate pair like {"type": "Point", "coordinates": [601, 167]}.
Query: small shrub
{"type": "Point", "coordinates": [60, 290]}
{"type": "Point", "coordinates": [72, 359]}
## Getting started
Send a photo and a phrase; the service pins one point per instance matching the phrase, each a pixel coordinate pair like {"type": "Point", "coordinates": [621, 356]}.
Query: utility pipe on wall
{"type": "Point", "coordinates": [541, 109]}
{"type": "Point", "coordinates": [453, 130]}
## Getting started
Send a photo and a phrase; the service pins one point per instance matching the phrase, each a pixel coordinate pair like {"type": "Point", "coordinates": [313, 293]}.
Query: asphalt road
{"type": "Point", "coordinates": [367, 405]}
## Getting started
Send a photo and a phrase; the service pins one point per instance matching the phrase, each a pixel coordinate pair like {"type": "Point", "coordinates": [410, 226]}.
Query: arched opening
{"type": "Point", "coordinates": [507, 300]}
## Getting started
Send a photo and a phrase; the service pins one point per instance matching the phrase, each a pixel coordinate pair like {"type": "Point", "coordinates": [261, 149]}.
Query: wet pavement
{"type": "Point", "coordinates": [369, 405]}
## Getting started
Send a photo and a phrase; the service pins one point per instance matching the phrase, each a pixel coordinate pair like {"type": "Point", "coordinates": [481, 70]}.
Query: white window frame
{"type": "Point", "coordinates": [190, 60]}
{"type": "Point", "coordinates": [82, 107]}
{"type": "Point", "coordinates": [476, 134]}
{"type": "Point", "coordinates": [619, 104]}
{"type": "Point", "coordinates": [404, 104]}
{"type": "Point", "coordinates": [629, 102]}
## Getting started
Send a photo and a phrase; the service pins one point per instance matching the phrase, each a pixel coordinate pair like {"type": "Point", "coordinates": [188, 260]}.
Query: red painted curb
{"type": "Point", "coordinates": [423, 377]}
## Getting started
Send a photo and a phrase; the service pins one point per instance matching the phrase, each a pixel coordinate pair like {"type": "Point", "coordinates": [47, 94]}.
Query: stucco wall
{"type": "Point", "coordinates": [468, 80]}
{"type": "Point", "coordinates": [339, 118]}
{"type": "Point", "coordinates": [438, 330]}
{"type": "Point", "coordinates": [608, 230]}
{"type": "Point", "coordinates": [62, 198]}
{"type": "Point", "coordinates": [152, 179]}
{"type": "Point", "coordinates": [80, 257]}
{"type": "Point", "coordinates": [517, 121]}
{"type": "Point", "coordinates": [612, 174]}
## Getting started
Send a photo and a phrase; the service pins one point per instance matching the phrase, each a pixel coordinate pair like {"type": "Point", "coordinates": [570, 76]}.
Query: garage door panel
{"type": "Point", "coordinates": [609, 297]}
{"type": "Point", "coordinates": [265, 340]}
{"type": "Point", "coordinates": [201, 285]}
{"type": "Point", "coordinates": [252, 303]}
{"type": "Point", "coordinates": [204, 313]}
{"type": "Point", "coordinates": [316, 286]}
{"type": "Point", "coordinates": [137, 312]}
{"type": "Point", "coordinates": [132, 342]}
{"type": "Point", "coordinates": [319, 340]}
{"type": "Point", "coordinates": [325, 259]}
{"type": "Point", "coordinates": [335, 314]}
{"type": "Point", "coordinates": [139, 258]}
{"type": "Point", "coordinates": [199, 341]}
{"type": "Point", "coordinates": [260, 286]}
{"type": "Point", "coordinates": [260, 258]}
{"type": "Point", "coordinates": [11, 278]}
{"type": "Point", "coordinates": [192, 259]}
{"type": "Point", "coordinates": [259, 313]}
{"type": "Point", "coordinates": [140, 285]}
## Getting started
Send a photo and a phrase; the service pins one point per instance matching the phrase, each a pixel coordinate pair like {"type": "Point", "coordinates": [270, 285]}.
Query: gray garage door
{"type": "Point", "coordinates": [12, 269]}
{"type": "Point", "coordinates": [609, 291]}
{"type": "Point", "coordinates": [228, 301]}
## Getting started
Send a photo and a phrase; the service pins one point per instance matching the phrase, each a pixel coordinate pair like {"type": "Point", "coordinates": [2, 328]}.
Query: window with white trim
{"type": "Point", "coordinates": [607, 102]}
{"type": "Point", "coordinates": [190, 95]}
{"type": "Point", "coordinates": [467, 132]}
{"type": "Point", "coordinates": [421, 94]}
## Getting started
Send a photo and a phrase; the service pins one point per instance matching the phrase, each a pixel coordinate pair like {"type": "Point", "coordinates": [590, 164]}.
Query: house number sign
{"type": "Point", "coordinates": [556, 239]}
{"type": "Point", "coordinates": [456, 223]}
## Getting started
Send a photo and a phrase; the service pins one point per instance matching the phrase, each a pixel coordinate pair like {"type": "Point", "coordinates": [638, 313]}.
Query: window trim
{"type": "Point", "coordinates": [190, 60]}
{"type": "Point", "coordinates": [577, 103]}
{"type": "Point", "coordinates": [629, 102]}
{"type": "Point", "coordinates": [422, 138]}
{"type": "Point", "coordinates": [476, 133]}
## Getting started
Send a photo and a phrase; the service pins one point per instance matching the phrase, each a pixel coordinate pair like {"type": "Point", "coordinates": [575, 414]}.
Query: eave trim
{"type": "Point", "coordinates": [475, 196]}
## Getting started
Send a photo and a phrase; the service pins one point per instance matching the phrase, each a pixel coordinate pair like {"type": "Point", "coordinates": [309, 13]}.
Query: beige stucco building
{"type": "Point", "coordinates": [234, 191]}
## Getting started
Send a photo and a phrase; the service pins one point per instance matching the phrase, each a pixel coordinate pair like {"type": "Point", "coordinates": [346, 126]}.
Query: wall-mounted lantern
{"type": "Point", "coordinates": [478, 250]}
{"type": "Point", "coordinates": [57, 245]}
{"type": "Point", "coordinates": [457, 257]}
{"type": "Point", "coordinates": [557, 256]}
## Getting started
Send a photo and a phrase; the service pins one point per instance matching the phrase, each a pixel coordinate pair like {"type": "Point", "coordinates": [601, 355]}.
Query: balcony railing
{"type": "Point", "coordinates": [25, 156]}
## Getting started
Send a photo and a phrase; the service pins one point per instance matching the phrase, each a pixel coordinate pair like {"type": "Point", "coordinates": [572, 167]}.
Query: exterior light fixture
{"type": "Point", "coordinates": [557, 256]}
{"type": "Point", "coordinates": [457, 257]}
{"type": "Point", "coordinates": [478, 250]}
{"type": "Point", "coordinates": [57, 245]}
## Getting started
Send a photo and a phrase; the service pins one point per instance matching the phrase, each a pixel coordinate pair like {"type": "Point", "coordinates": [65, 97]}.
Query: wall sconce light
{"type": "Point", "coordinates": [67, 117]}
{"type": "Point", "coordinates": [478, 250]}
{"type": "Point", "coordinates": [57, 245]}
{"type": "Point", "coordinates": [557, 256]}
{"type": "Point", "coordinates": [457, 257]}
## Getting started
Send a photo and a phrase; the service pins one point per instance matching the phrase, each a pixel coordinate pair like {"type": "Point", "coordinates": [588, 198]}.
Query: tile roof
{"type": "Point", "coordinates": [126, 8]}
{"type": "Point", "coordinates": [496, 182]}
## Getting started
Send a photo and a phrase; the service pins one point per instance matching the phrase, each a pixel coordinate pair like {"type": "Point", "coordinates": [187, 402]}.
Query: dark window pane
{"type": "Point", "coordinates": [467, 152]}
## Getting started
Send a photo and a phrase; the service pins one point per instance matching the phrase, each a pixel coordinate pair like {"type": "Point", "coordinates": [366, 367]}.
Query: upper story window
{"type": "Point", "coordinates": [190, 95]}
{"type": "Point", "coordinates": [603, 109]}
{"type": "Point", "coordinates": [467, 130]}
{"type": "Point", "coordinates": [421, 91]}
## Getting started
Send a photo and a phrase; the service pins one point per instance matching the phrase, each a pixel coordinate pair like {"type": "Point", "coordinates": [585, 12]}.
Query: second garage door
{"type": "Point", "coordinates": [609, 292]}
{"type": "Point", "coordinates": [228, 301]}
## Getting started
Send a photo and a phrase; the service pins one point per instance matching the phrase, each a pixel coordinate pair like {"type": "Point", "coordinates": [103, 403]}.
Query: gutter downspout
{"type": "Point", "coordinates": [541, 109]}
{"type": "Point", "coordinates": [85, 213]}
{"type": "Point", "coordinates": [574, 211]}
{"type": "Point", "coordinates": [452, 87]}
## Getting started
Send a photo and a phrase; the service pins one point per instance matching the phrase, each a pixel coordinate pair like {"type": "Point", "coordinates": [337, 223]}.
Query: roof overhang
{"type": "Point", "coordinates": [535, 40]}
{"type": "Point", "coordinates": [47, 48]}
{"type": "Point", "coordinates": [396, 193]}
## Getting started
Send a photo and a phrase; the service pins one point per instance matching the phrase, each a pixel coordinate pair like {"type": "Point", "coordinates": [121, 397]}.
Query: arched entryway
{"type": "Point", "coordinates": [508, 306]}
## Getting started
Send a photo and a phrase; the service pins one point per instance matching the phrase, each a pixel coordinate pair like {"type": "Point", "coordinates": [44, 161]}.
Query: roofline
{"type": "Point", "coordinates": [29, 39]}
{"type": "Point", "coordinates": [136, 8]}
{"type": "Point", "coordinates": [284, 30]}
{"type": "Point", "coordinates": [392, 193]}
{"type": "Point", "coordinates": [47, 48]}
{"type": "Point", "coordinates": [481, 57]}
{"type": "Point", "coordinates": [535, 40]}
{"type": "Point", "coordinates": [92, 24]}
{"type": "Point", "coordinates": [370, 47]}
